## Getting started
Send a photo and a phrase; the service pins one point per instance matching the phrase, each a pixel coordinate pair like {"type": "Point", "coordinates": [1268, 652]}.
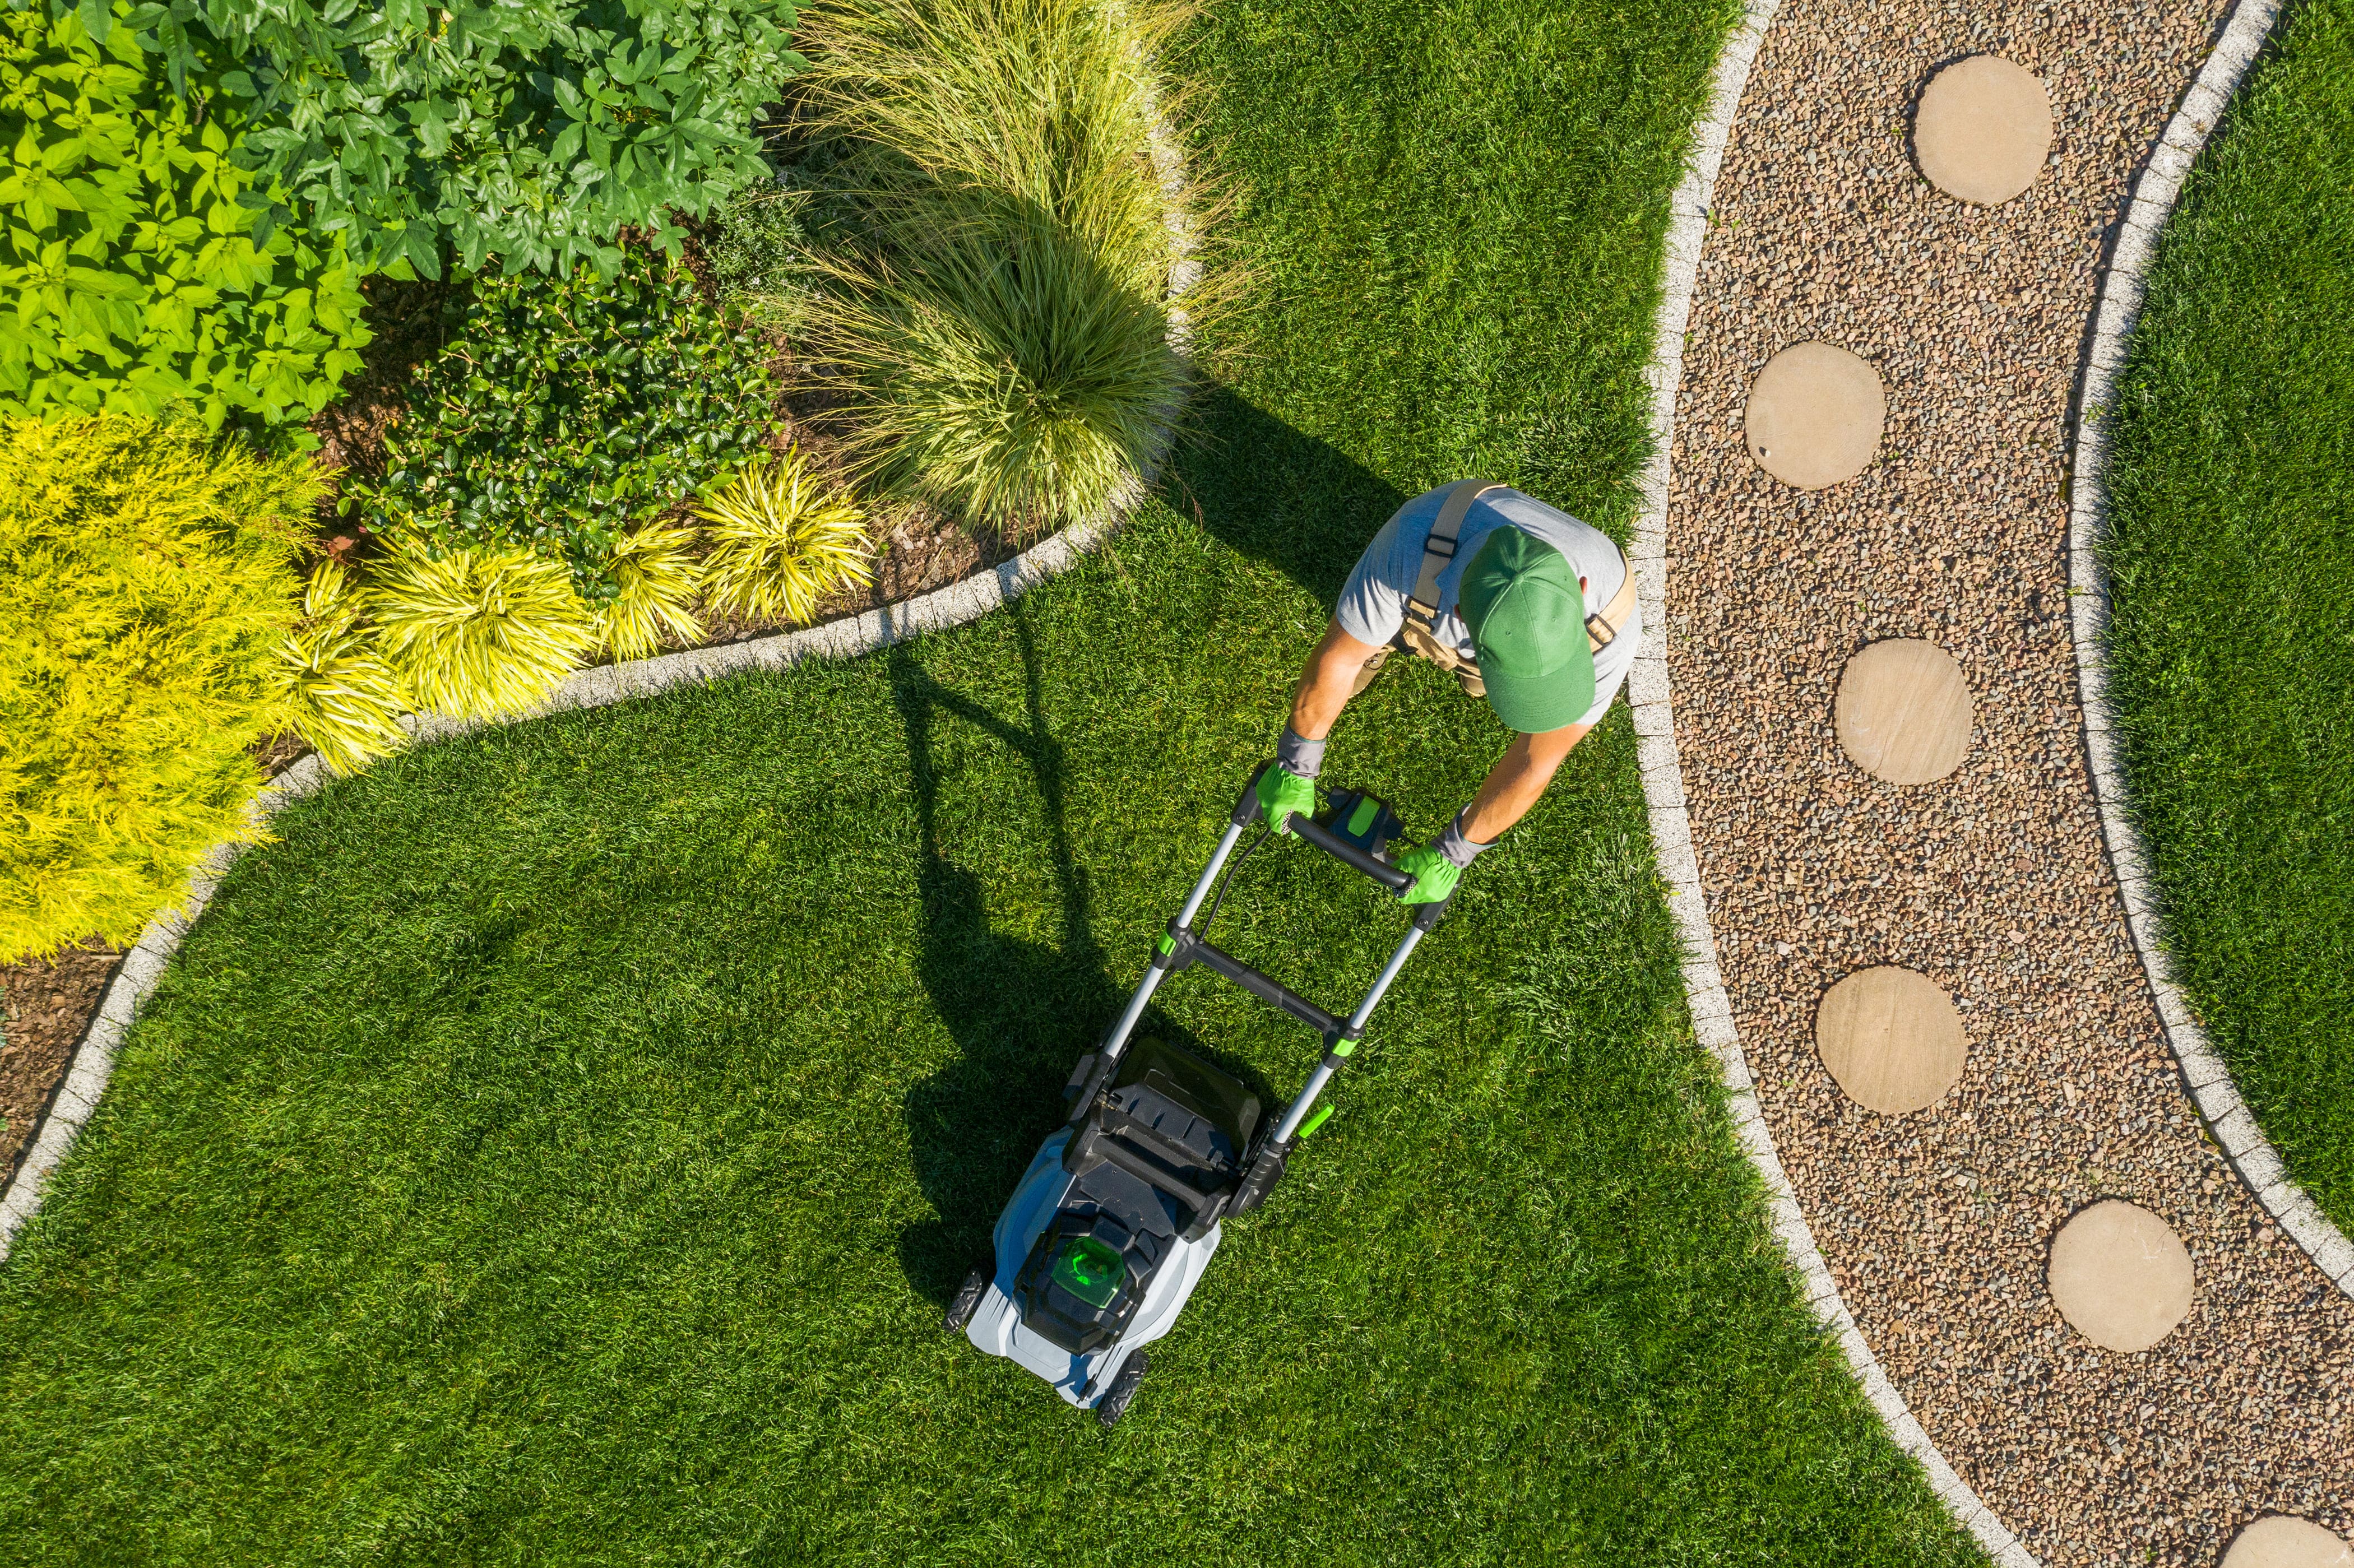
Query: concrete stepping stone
{"type": "Point", "coordinates": [1982, 130]}
{"type": "Point", "coordinates": [1903, 711]}
{"type": "Point", "coordinates": [1890, 1038]}
{"type": "Point", "coordinates": [2120, 1275]}
{"type": "Point", "coordinates": [2276, 1541]}
{"type": "Point", "coordinates": [1814, 415]}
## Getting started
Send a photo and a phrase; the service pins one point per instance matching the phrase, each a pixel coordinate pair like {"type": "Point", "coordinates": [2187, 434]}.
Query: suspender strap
{"type": "Point", "coordinates": [1439, 548]}
{"type": "Point", "coordinates": [1602, 628]}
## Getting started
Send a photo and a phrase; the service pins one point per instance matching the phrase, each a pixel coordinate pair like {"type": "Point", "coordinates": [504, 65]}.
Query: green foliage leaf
{"type": "Point", "coordinates": [157, 269]}
{"type": "Point", "coordinates": [460, 128]}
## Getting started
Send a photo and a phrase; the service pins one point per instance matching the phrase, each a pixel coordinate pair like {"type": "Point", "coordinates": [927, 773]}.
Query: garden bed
{"type": "Point", "coordinates": [915, 548]}
{"type": "Point", "coordinates": [46, 1007]}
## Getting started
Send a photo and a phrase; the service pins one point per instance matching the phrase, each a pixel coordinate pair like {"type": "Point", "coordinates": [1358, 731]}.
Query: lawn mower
{"type": "Point", "coordinates": [1110, 1228]}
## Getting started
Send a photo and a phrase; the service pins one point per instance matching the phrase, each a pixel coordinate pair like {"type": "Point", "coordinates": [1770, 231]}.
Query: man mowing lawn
{"type": "Point", "coordinates": [1530, 608]}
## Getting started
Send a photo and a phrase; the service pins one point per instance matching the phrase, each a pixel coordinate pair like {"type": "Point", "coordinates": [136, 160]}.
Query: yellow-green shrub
{"type": "Point", "coordinates": [657, 574]}
{"type": "Point", "coordinates": [479, 634]}
{"type": "Point", "coordinates": [780, 540]}
{"type": "Point", "coordinates": [346, 700]}
{"type": "Point", "coordinates": [146, 577]}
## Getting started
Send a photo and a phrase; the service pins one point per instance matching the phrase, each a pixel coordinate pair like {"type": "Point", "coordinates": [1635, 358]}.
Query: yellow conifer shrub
{"type": "Point", "coordinates": [146, 578]}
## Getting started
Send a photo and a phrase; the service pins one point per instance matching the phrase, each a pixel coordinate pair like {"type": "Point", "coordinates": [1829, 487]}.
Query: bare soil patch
{"type": "Point", "coordinates": [47, 1004]}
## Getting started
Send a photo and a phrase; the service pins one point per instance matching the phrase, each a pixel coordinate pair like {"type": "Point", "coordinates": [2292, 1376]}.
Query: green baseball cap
{"type": "Point", "coordinates": [1527, 616]}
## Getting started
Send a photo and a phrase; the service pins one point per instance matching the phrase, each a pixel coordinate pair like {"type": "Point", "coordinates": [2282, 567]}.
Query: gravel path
{"type": "Point", "coordinates": [1992, 882]}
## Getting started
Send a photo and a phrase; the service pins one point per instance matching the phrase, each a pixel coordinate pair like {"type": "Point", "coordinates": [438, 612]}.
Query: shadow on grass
{"type": "Point", "coordinates": [1022, 1012]}
{"type": "Point", "coordinates": [1277, 495]}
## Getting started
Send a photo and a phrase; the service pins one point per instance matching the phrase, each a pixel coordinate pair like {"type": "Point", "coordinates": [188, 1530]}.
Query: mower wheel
{"type": "Point", "coordinates": [967, 1299]}
{"type": "Point", "coordinates": [1122, 1392]}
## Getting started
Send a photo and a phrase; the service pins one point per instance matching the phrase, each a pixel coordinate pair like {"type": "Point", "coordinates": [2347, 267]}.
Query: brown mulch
{"type": "Point", "coordinates": [47, 1004]}
{"type": "Point", "coordinates": [1994, 880]}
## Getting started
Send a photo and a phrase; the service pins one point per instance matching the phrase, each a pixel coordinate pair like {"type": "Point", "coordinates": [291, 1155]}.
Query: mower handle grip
{"type": "Point", "coordinates": [1246, 807]}
{"type": "Point", "coordinates": [1347, 854]}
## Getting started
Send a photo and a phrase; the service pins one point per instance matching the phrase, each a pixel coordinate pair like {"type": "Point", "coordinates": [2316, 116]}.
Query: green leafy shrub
{"type": "Point", "coordinates": [533, 133]}
{"type": "Point", "coordinates": [146, 577]}
{"type": "Point", "coordinates": [564, 411]}
{"type": "Point", "coordinates": [782, 539]}
{"type": "Point", "coordinates": [132, 275]}
{"type": "Point", "coordinates": [1000, 314]}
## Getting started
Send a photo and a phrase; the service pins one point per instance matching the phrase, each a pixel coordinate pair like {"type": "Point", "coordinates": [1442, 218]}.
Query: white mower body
{"type": "Point", "coordinates": [996, 1325]}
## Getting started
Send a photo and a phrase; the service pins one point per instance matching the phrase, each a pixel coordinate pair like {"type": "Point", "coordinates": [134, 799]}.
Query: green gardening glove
{"type": "Point", "coordinates": [1434, 874]}
{"type": "Point", "coordinates": [1282, 792]}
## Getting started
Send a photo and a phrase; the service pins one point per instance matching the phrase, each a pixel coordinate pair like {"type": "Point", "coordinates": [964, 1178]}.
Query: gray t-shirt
{"type": "Point", "coordinates": [1373, 599]}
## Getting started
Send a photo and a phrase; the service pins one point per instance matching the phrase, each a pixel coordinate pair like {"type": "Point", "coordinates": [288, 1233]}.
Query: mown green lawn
{"type": "Point", "coordinates": [558, 1147]}
{"type": "Point", "coordinates": [2232, 644]}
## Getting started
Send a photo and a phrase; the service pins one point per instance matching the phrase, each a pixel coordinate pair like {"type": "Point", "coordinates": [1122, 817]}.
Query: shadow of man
{"type": "Point", "coordinates": [1022, 1012]}
{"type": "Point", "coordinates": [1277, 494]}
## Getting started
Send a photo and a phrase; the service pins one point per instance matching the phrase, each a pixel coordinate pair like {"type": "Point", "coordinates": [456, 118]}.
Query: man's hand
{"type": "Point", "coordinates": [1282, 792]}
{"type": "Point", "coordinates": [1434, 874]}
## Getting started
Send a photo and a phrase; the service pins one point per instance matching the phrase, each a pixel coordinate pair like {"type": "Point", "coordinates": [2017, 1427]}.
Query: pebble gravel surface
{"type": "Point", "coordinates": [1993, 881]}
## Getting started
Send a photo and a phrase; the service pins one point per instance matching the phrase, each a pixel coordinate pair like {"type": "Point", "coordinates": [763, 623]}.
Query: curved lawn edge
{"type": "Point", "coordinates": [1648, 692]}
{"type": "Point", "coordinates": [967, 599]}
{"type": "Point", "coordinates": [2121, 289]}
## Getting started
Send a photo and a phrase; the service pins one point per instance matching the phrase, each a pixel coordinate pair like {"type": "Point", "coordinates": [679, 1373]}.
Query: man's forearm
{"type": "Point", "coordinates": [1517, 782]}
{"type": "Point", "coordinates": [1326, 684]}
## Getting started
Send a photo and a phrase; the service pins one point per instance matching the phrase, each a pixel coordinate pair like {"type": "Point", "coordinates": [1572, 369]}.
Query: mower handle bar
{"type": "Point", "coordinates": [1315, 832]}
{"type": "Point", "coordinates": [1347, 854]}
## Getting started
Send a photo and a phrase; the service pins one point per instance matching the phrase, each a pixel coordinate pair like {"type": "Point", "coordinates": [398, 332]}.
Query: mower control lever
{"type": "Point", "coordinates": [1246, 809]}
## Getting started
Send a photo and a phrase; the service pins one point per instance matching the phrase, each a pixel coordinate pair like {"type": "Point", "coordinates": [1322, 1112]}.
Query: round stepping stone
{"type": "Point", "coordinates": [1814, 415]}
{"type": "Point", "coordinates": [1891, 1038]}
{"type": "Point", "coordinates": [2277, 1540]}
{"type": "Point", "coordinates": [1982, 130]}
{"type": "Point", "coordinates": [1903, 711]}
{"type": "Point", "coordinates": [2120, 1275]}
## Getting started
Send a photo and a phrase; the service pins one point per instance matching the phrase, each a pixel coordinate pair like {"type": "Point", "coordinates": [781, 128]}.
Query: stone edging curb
{"type": "Point", "coordinates": [965, 601]}
{"type": "Point", "coordinates": [2155, 193]}
{"type": "Point", "coordinates": [1663, 795]}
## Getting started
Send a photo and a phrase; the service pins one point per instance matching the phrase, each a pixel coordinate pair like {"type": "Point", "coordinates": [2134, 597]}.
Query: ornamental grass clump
{"type": "Point", "coordinates": [780, 540]}
{"type": "Point", "coordinates": [146, 578]}
{"type": "Point", "coordinates": [656, 577]}
{"type": "Point", "coordinates": [478, 634]}
{"type": "Point", "coordinates": [1000, 316]}
{"type": "Point", "coordinates": [1004, 376]}
{"type": "Point", "coordinates": [346, 702]}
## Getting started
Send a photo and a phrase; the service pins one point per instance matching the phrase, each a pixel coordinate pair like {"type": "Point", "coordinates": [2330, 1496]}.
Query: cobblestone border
{"type": "Point", "coordinates": [965, 601]}
{"type": "Point", "coordinates": [2153, 195]}
{"type": "Point", "coordinates": [1663, 794]}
